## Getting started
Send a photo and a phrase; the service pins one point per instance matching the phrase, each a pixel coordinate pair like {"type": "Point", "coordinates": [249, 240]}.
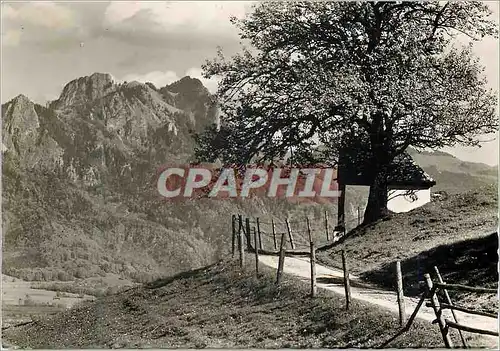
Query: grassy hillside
{"type": "Point", "coordinates": [452, 174]}
{"type": "Point", "coordinates": [220, 306]}
{"type": "Point", "coordinates": [458, 235]}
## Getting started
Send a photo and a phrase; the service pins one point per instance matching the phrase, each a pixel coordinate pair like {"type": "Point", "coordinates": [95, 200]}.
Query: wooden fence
{"type": "Point", "coordinates": [279, 234]}
{"type": "Point", "coordinates": [298, 233]}
{"type": "Point", "coordinates": [242, 232]}
{"type": "Point", "coordinates": [243, 228]}
{"type": "Point", "coordinates": [438, 306]}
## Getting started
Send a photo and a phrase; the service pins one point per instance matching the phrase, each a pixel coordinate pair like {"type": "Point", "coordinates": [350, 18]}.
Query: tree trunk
{"type": "Point", "coordinates": [377, 199]}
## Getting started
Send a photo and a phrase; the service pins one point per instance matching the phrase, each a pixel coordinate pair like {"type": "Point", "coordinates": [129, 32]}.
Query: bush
{"type": "Point", "coordinates": [112, 290]}
{"type": "Point", "coordinates": [37, 276]}
{"type": "Point", "coordinates": [81, 273]}
{"type": "Point", "coordinates": [26, 275]}
{"type": "Point", "coordinates": [106, 267]}
{"type": "Point", "coordinates": [28, 301]}
{"type": "Point", "coordinates": [101, 273]}
{"type": "Point", "coordinates": [63, 276]}
{"type": "Point", "coordinates": [47, 275]}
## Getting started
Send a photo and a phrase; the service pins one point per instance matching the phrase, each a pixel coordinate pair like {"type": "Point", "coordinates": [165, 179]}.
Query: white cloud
{"type": "Point", "coordinates": [210, 17]}
{"type": "Point", "coordinates": [11, 37]}
{"type": "Point", "coordinates": [160, 79]}
{"type": "Point", "coordinates": [118, 11]}
{"type": "Point", "coordinates": [44, 14]}
{"type": "Point", "coordinates": [8, 11]}
{"type": "Point", "coordinates": [210, 84]}
{"type": "Point", "coordinates": [34, 17]}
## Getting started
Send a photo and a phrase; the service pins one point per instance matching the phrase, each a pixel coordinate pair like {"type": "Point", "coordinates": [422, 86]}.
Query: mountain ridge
{"type": "Point", "coordinates": [79, 181]}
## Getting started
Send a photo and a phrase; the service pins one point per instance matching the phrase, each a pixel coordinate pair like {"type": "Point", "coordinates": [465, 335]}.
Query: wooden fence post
{"type": "Point", "coordinates": [281, 261]}
{"type": "Point", "coordinates": [274, 234]}
{"type": "Point", "coordinates": [415, 311]}
{"type": "Point", "coordinates": [243, 226]}
{"type": "Point", "coordinates": [447, 296]}
{"type": "Point", "coordinates": [341, 208]}
{"type": "Point", "coordinates": [312, 260]}
{"type": "Point", "coordinates": [290, 234]}
{"type": "Point", "coordinates": [326, 226]}
{"type": "Point", "coordinates": [248, 235]}
{"type": "Point", "coordinates": [347, 283]}
{"type": "Point", "coordinates": [438, 312]}
{"type": "Point", "coordinates": [240, 242]}
{"type": "Point", "coordinates": [256, 239]}
{"type": "Point", "coordinates": [401, 298]}
{"type": "Point", "coordinates": [260, 237]}
{"type": "Point", "coordinates": [233, 238]}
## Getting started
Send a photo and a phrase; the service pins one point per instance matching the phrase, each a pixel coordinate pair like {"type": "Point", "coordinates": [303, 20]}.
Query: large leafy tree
{"type": "Point", "coordinates": [320, 76]}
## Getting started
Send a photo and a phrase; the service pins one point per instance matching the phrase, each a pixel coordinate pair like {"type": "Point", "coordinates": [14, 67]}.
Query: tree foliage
{"type": "Point", "coordinates": [319, 76]}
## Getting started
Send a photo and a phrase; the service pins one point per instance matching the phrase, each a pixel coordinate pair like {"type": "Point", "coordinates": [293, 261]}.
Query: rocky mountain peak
{"type": "Point", "coordinates": [190, 94]}
{"type": "Point", "coordinates": [97, 123]}
{"type": "Point", "coordinates": [132, 112]}
{"type": "Point", "coordinates": [20, 113]}
{"type": "Point", "coordinates": [21, 99]}
{"type": "Point", "coordinates": [187, 85]}
{"type": "Point", "coordinates": [20, 124]}
{"type": "Point", "coordinates": [85, 89]}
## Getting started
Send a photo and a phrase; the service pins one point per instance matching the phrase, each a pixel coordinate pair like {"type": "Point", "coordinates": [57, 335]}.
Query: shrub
{"type": "Point", "coordinates": [81, 273]}
{"type": "Point", "coordinates": [37, 276]}
{"type": "Point", "coordinates": [28, 301]}
{"type": "Point", "coordinates": [47, 275]}
{"type": "Point", "coordinates": [63, 276]}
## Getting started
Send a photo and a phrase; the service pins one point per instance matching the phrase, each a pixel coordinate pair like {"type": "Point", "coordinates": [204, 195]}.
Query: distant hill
{"type": "Point", "coordinates": [452, 174]}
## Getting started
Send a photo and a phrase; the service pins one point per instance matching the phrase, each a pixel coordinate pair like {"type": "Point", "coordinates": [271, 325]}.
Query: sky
{"type": "Point", "coordinates": [47, 44]}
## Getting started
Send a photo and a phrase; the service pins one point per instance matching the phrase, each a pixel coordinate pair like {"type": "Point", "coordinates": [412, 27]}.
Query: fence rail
{"type": "Point", "coordinates": [445, 324]}
{"type": "Point", "coordinates": [468, 310]}
{"type": "Point", "coordinates": [465, 288]}
{"type": "Point", "coordinates": [438, 307]}
{"type": "Point", "coordinates": [307, 246]}
{"type": "Point", "coordinates": [470, 329]}
{"type": "Point", "coordinates": [241, 232]}
{"type": "Point", "coordinates": [322, 232]}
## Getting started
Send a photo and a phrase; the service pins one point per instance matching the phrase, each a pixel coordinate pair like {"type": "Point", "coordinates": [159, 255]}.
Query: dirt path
{"type": "Point", "coordinates": [300, 267]}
